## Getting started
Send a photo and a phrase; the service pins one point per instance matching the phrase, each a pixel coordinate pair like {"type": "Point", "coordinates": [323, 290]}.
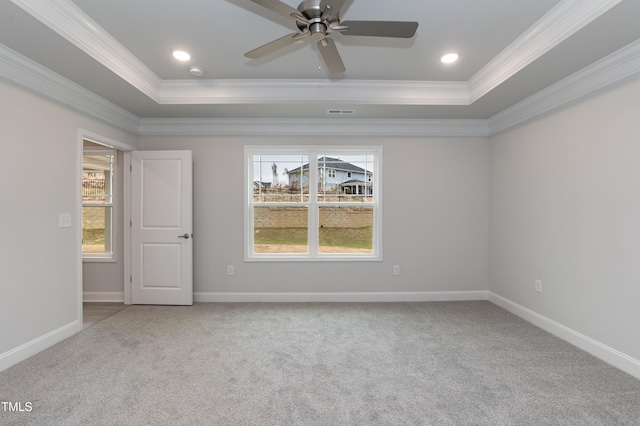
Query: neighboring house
{"type": "Point", "coordinates": [335, 175]}
{"type": "Point", "coordinates": [261, 185]}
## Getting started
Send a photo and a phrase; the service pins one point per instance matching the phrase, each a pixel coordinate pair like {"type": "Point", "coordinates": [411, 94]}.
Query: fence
{"type": "Point", "coordinates": [296, 217]}
{"type": "Point", "coordinates": [93, 189]}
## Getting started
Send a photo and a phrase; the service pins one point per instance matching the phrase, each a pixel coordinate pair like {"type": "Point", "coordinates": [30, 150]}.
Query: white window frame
{"type": "Point", "coordinates": [111, 256]}
{"type": "Point", "coordinates": [313, 204]}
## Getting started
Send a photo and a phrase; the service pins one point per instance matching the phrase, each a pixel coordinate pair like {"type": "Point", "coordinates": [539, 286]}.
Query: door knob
{"type": "Point", "coordinates": [185, 236]}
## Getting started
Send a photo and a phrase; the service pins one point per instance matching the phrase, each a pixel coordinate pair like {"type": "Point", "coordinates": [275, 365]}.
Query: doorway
{"type": "Point", "coordinates": [103, 203]}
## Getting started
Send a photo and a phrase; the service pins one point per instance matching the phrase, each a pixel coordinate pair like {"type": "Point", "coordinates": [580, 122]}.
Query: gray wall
{"type": "Point", "coordinates": [435, 214]}
{"type": "Point", "coordinates": [39, 262]}
{"type": "Point", "coordinates": [565, 209]}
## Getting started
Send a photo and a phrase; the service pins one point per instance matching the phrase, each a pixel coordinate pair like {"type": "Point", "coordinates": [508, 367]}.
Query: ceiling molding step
{"type": "Point", "coordinates": [312, 127]}
{"type": "Point", "coordinates": [564, 20]}
{"type": "Point", "coordinates": [25, 72]}
{"type": "Point", "coordinates": [368, 92]}
{"type": "Point", "coordinates": [70, 22]}
{"type": "Point", "coordinates": [617, 66]}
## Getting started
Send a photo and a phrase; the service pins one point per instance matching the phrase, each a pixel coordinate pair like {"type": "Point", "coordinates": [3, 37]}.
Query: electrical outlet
{"type": "Point", "coordinates": [230, 270]}
{"type": "Point", "coordinates": [538, 286]}
{"type": "Point", "coordinates": [396, 269]}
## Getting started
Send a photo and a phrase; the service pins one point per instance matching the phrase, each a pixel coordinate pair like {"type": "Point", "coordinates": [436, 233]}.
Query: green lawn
{"type": "Point", "coordinates": [94, 236]}
{"type": "Point", "coordinates": [360, 238]}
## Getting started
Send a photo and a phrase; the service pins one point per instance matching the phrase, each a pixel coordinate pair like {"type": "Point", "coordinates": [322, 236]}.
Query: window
{"type": "Point", "coordinates": [313, 203]}
{"type": "Point", "coordinates": [98, 183]}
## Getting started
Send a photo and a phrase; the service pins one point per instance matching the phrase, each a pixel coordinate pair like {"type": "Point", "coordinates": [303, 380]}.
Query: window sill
{"type": "Point", "coordinates": [98, 259]}
{"type": "Point", "coordinates": [332, 258]}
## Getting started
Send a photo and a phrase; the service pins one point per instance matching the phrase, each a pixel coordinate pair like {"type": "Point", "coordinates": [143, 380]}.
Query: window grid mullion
{"type": "Point", "coordinates": [313, 204]}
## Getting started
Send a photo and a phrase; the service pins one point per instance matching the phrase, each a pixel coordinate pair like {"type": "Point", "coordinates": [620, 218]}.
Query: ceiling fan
{"type": "Point", "coordinates": [318, 19]}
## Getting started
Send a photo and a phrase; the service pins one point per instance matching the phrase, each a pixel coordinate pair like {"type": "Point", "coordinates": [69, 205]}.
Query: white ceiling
{"type": "Point", "coordinates": [120, 50]}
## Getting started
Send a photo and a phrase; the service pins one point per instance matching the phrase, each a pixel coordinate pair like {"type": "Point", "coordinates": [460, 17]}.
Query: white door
{"type": "Point", "coordinates": [161, 228]}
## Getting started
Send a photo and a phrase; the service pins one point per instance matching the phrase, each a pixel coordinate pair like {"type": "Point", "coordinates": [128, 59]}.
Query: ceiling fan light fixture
{"type": "Point", "coordinates": [181, 55]}
{"type": "Point", "coordinates": [449, 58]}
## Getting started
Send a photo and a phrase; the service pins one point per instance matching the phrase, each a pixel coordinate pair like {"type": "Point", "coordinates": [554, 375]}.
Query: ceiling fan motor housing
{"type": "Point", "coordinates": [310, 8]}
{"type": "Point", "coordinates": [318, 28]}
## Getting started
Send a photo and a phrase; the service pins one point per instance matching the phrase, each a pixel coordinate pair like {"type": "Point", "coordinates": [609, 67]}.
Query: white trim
{"type": "Point", "coordinates": [369, 92]}
{"type": "Point", "coordinates": [402, 296]}
{"type": "Point", "coordinates": [26, 350]}
{"type": "Point", "coordinates": [311, 127]}
{"type": "Point", "coordinates": [70, 22]}
{"type": "Point", "coordinates": [104, 140]}
{"type": "Point", "coordinates": [100, 258]}
{"type": "Point", "coordinates": [30, 74]}
{"type": "Point", "coordinates": [564, 20]}
{"type": "Point", "coordinates": [621, 64]}
{"type": "Point", "coordinates": [103, 296]}
{"type": "Point", "coordinates": [78, 225]}
{"type": "Point", "coordinates": [608, 354]}
{"type": "Point", "coordinates": [126, 244]}
{"type": "Point", "coordinates": [23, 71]}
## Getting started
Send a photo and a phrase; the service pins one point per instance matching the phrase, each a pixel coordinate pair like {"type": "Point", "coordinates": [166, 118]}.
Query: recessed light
{"type": "Point", "coordinates": [196, 71]}
{"type": "Point", "coordinates": [450, 58]}
{"type": "Point", "coordinates": [181, 55]}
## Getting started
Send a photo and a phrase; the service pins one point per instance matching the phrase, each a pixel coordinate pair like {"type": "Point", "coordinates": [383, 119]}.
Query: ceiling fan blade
{"type": "Point", "coordinates": [273, 46]}
{"type": "Point", "coordinates": [277, 6]}
{"type": "Point", "coordinates": [335, 5]}
{"type": "Point", "coordinates": [397, 29]}
{"type": "Point", "coordinates": [331, 56]}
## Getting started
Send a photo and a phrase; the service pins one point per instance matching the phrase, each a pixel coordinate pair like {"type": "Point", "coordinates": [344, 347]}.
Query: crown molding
{"type": "Point", "coordinates": [69, 21]}
{"type": "Point", "coordinates": [617, 66]}
{"type": "Point", "coordinates": [19, 69]}
{"type": "Point", "coordinates": [565, 19]}
{"type": "Point", "coordinates": [312, 127]}
{"type": "Point", "coordinates": [25, 72]}
{"type": "Point", "coordinates": [371, 92]}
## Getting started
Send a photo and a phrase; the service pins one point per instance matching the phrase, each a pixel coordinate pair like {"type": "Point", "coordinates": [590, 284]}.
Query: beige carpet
{"type": "Point", "coordinates": [458, 363]}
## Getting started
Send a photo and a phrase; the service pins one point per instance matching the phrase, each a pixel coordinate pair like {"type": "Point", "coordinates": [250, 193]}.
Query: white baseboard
{"type": "Point", "coordinates": [103, 296]}
{"type": "Point", "coordinates": [39, 344]}
{"type": "Point", "coordinates": [607, 354]}
{"type": "Point", "coordinates": [408, 296]}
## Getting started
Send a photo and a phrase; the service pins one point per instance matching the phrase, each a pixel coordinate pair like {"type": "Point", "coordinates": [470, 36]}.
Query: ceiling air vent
{"type": "Point", "coordinates": [341, 111]}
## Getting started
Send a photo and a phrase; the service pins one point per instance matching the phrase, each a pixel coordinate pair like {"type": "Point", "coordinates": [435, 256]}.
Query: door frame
{"type": "Point", "coordinates": [126, 197]}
